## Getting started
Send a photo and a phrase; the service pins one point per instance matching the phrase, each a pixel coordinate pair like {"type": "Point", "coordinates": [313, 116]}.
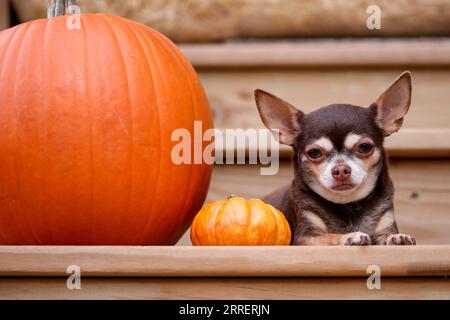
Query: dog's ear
{"type": "Point", "coordinates": [393, 104]}
{"type": "Point", "coordinates": [279, 115]}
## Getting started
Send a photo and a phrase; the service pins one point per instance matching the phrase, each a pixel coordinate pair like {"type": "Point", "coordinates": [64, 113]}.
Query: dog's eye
{"type": "Point", "coordinates": [314, 154]}
{"type": "Point", "coordinates": [365, 148]}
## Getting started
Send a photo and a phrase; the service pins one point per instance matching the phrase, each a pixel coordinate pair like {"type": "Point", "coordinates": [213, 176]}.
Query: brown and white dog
{"type": "Point", "coordinates": [341, 193]}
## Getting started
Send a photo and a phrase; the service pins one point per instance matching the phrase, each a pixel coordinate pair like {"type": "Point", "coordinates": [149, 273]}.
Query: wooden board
{"type": "Point", "coordinates": [422, 199]}
{"type": "Point", "coordinates": [321, 53]}
{"type": "Point", "coordinates": [408, 143]}
{"type": "Point", "coordinates": [231, 92]}
{"type": "Point", "coordinates": [427, 143]}
{"type": "Point", "coordinates": [217, 272]}
{"type": "Point", "coordinates": [215, 20]}
{"type": "Point", "coordinates": [315, 73]}
{"type": "Point", "coordinates": [263, 261]}
{"type": "Point", "coordinates": [228, 288]}
{"type": "Point", "coordinates": [4, 14]}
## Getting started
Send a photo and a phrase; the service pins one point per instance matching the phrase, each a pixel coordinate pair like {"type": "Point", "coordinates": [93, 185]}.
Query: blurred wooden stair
{"type": "Point", "coordinates": [314, 73]}
{"type": "Point", "coordinates": [225, 272]}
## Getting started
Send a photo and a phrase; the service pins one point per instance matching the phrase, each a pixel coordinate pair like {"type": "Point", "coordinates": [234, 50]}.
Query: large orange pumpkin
{"type": "Point", "coordinates": [238, 222]}
{"type": "Point", "coordinates": [86, 118]}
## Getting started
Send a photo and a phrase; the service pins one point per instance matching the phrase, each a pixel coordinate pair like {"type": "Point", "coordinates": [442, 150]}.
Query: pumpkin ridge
{"type": "Point", "coordinates": [151, 54]}
{"type": "Point", "coordinates": [139, 42]}
{"type": "Point", "coordinates": [193, 111]}
{"type": "Point", "coordinates": [8, 47]}
{"type": "Point", "coordinates": [91, 135]}
{"type": "Point", "coordinates": [216, 221]}
{"type": "Point", "coordinates": [199, 220]}
{"type": "Point", "coordinates": [199, 235]}
{"type": "Point", "coordinates": [277, 221]}
{"type": "Point", "coordinates": [45, 106]}
{"type": "Point", "coordinates": [213, 211]}
{"type": "Point", "coordinates": [13, 32]}
{"type": "Point", "coordinates": [133, 30]}
{"type": "Point", "coordinates": [194, 237]}
{"type": "Point", "coordinates": [129, 129]}
{"type": "Point", "coordinates": [17, 188]}
{"type": "Point", "coordinates": [253, 205]}
{"type": "Point", "coordinates": [275, 230]}
{"type": "Point", "coordinates": [136, 32]}
{"type": "Point", "coordinates": [262, 206]}
{"type": "Point", "coordinates": [209, 234]}
{"type": "Point", "coordinates": [196, 97]}
{"type": "Point", "coordinates": [249, 217]}
{"type": "Point", "coordinates": [280, 218]}
{"type": "Point", "coordinates": [155, 54]}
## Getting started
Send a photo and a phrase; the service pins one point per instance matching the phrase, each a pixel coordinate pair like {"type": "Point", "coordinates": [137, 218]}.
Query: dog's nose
{"type": "Point", "coordinates": [341, 172]}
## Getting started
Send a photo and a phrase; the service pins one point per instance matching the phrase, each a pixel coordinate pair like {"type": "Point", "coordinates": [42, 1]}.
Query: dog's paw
{"type": "Point", "coordinates": [400, 240]}
{"type": "Point", "coordinates": [356, 239]}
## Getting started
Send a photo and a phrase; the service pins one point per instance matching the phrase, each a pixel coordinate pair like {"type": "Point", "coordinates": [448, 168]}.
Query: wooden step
{"type": "Point", "coordinates": [4, 14]}
{"type": "Point", "coordinates": [231, 92]}
{"type": "Point", "coordinates": [311, 74]}
{"type": "Point", "coordinates": [222, 272]}
{"type": "Point", "coordinates": [422, 198]}
{"type": "Point", "coordinates": [53, 288]}
{"type": "Point", "coordinates": [373, 52]}
{"type": "Point", "coordinates": [424, 143]}
{"type": "Point", "coordinates": [219, 20]}
{"type": "Point", "coordinates": [263, 261]}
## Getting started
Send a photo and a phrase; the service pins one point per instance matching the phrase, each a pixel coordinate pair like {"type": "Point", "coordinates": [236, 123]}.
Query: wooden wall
{"type": "Point", "coordinates": [218, 20]}
{"type": "Point", "coordinates": [4, 14]}
{"type": "Point", "coordinates": [314, 73]}
{"type": "Point", "coordinates": [310, 74]}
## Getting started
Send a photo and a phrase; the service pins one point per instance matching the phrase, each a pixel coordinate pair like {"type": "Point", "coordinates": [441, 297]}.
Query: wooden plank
{"type": "Point", "coordinates": [425, 143]}
{"type": "Point", "coordinates": [321, 53]}
{"type": "Point", "coordinates": [220, 288]}
{"type": "Point", "coordinates": [429, 142]}
{"type": "Point", "coordinates": [217, 20]}
{"type": "Point", "coordinates": [231, 92]}
{"type": "Point", "coordinates": [422, 198]}
{"type": "Point", "coordinates": [4, 14]}
{"type": "Point", "coordinates": [284, 261]}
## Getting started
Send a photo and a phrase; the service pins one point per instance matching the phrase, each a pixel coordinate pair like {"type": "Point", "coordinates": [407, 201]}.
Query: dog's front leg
{"type": "Point", "coordinates": [391, 238]}
{"type": "Point", "coordinates": [334, 239]}
{"type": "Point", "coordinates": [386, 232]}
{"type": "Point", "coordinates": [312, 230]}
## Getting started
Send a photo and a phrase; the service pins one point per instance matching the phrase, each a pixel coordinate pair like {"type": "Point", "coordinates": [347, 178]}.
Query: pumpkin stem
{"type": "Point", "coordinates": [231, 196]}
{"type": "Point", "coordinates": [57, 8]}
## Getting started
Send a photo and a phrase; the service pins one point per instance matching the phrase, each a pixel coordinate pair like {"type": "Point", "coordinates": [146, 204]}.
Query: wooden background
{"type": "Point", "coordinates": [422, 199]}
{"type": "Point", "coordinates": [218, 20]}
{"type": "Point", "coordinates": [311, 74]}
{"type": "Point", "coordinates": [4, 14]}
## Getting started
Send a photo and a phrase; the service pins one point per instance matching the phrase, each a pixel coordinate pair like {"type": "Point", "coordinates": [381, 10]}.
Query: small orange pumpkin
{"type": "Point", "coordinates": [238, 222]}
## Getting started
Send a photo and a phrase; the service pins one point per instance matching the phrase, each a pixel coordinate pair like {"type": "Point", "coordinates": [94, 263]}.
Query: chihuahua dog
{"type": "Point", "coordinates": [341, 193]}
